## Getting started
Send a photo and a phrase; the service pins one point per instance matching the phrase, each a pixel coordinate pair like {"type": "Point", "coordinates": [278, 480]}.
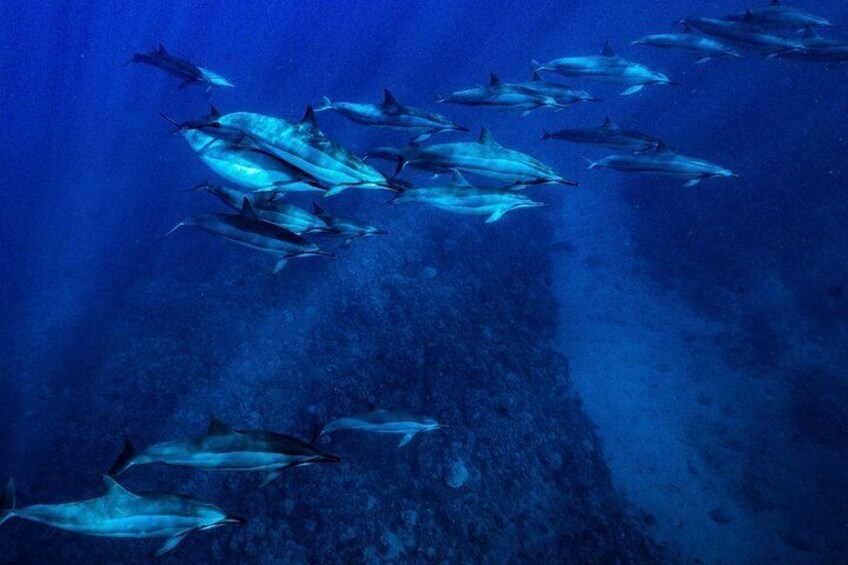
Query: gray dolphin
{"type": "Point", "coordinates": [460, 197]}
{"type": "Point", "coordinates": [187, 72]}
{"type": "Point", "coordinates": [246, 228]}
{"type": "Point", "coordinates": [344, 227]}
{"type": "Point", "coordinates": [778, 16]}
{"type": "Point", "coordinates": [383, 421]}
{"type": "Point", "coordinates": [817, 49]}
{"type": "Point", "coordinates": [507, 96]}
{"type": "Point", "coordinates": [393, 115]}
{"type": "Point", "coordinates": [304, 146]}
{"type": "Point", "coordinates": [608, 134]}
{"type": "Point", "coordinates": [267, 208]}
{"type": "Point", "coordinates": [665, 162]}
{"type": "Point", "coordinates": [705, 47]}
{"type": "Point", "coordinates": [485, 157]}
{"type": "Point", "coordinates": [561, 93]}
{"type": "Point", "coordinates": [225, 449]}
{"type": "Point", "coordinates": [122, 514]}
{"type": "Point", "coordinates": [606, 67]}
{"type": "Point", "coordinates": [749, 36]}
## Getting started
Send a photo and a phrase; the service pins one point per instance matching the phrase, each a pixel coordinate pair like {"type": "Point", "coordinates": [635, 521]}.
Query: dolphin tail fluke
{"type": "Point", "coordinates": [326, 104]}
{"type": "Point", "coordinates": [175, 228]}
{"type": "Point", "coordinates": [7, 501]}
{"type": "Point", "coordinates": [536, 66]}
{"type": "Point", "coordinates": [440, 99]}
{"type": "Point", "coordinates": [590, 164]}
{"type": "Point", "coordinates": [546, 134]}
{"type": "Point", "coordinates": [124, 460]}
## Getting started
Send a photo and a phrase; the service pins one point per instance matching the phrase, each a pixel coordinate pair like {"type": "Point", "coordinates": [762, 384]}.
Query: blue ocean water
{"type": "Point", "coordinates": [638, 372]}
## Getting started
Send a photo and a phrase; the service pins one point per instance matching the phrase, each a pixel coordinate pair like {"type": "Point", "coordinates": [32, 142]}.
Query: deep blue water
{"type": "Point", "coordinates": [110, 329]}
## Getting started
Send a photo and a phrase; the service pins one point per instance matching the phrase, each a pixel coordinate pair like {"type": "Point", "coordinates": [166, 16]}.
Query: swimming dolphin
{"type": "Point", "coordinates": [705, 47]}
{"type": "Point", "coordinates": [304, 146]}
{"type": "Point", "coordinates": [665, 162]}
{"type": "Point", "coordinates": [608, 134]}
{"type": "Point", "coordinates": [393, 115]}
{"type": "Point", "coordinates": [820, 50]}
{"type": "Point", "coordinates": [183, 70]}
{"type": "Point", "coordinates": [606, 67]}
{"type": "Point", "coordinates": [246, 228]}
{"type": "Point", "coordinates": [343, 227]}
{"type": "Point", "coordinates": [561, 93]}
{"type": "Point", "coordinates": [778, 16]}
{"type": "Point", "coordinates": [460, 197]}
{"type": "Point", "coordinates": [507, 96]}
{"type": "Point", "coordinates": [749, 36]}
{"type": "Point", "coordinates": [269, 209]}
{"type": "Point", "coordinates": [120, 513]}
{"type": "Point", "coordinates": [383, 421]}
{"type": "Point", "coordinates": [225, 449]}
{"type": "Point", "coordinates": [486, 158]}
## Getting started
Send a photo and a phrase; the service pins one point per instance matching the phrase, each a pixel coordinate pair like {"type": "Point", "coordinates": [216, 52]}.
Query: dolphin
{"type": "Point", "coordinates": [183, 70]}
{"type": "Point", "coordinates": [606, 67]}
{"type": "Point", "coordinates": [246, 228]}
{"type": "Point", "coordinates": [383, 421]}
{"type": "Point", "coordinates": [460, 197]}
{"type": "Point", "coordinates": [819, 50]}
{"type": "Point", "coordinates": [304, 146]}
{"type": "Point", "coordinates": [608, 134]}
{"type": "Point", "coordinates": [392, 115]}
{"type": "Point", "coordinates": [343, 227]}
{"type": "Point", "coordinates": [120, 513]}
{"type": "Point", "coordinates": [485, 157]}
{"type": "Point", "coordinates": [778, 16]}
{"type": "Point", "coordinates": [749, 36]}
{"type": "Point", "coordinates": [561, 93]}
{"type": "Point", "coordinates": [269, 209]}
{"type": "Point", "coordinates": [705, 47]}
{"type": "Point", "coordinates": [503, 95]}
{"type": "Point", "coordinates": [225, 449]}
{"type": "Point", "coordinates": [666, 162]}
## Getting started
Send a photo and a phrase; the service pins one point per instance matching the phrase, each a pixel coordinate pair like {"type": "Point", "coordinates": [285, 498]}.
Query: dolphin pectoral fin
{"type": "Point", "coordinates": [278, 266]}
{"type": "Point", "coordinates": [496, 216]}
{"type": "Point", "coordinates": [270, 478]}
{"type": "Point", "coordinates": [703, 60]}
{"type": "Point", "coordinates": [633, 90]}
{"type": "Point", "coordinates": [422, 137]}
{"type": "Point", "coordinates": [170, 544]}
{"type": "Point", "coordinates": [406, 439]}
{"type": "Point", "coordinates": [335, 190]}
{"type": "Point", "coordinates": [692, 182]}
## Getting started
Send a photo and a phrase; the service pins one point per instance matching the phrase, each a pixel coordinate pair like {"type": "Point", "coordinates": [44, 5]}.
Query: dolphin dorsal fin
{"type": "Point", "coordinates": [216, 426]}
{"type": "Point", "coordinates": [457, 179]}
{"type": "Point", "coordinates": [687, 28]}
{"type": "Point", "coordinates": [608, 50]}
{"type": "Point", "coordinates": [247, 210]}
{"type": "Point", "coordinates": [320, 212]}
{"type": "Point", "coordinates": [114, 489]}
{"type": "Point", "coordinates": [494, 80]}
{"type": "Point", "coordinates": [811, 33]}
{"type": "Point", "coordinates": [536, 77]}
{"type": "Point", "coordinates": [161, 49]}
{"type": "Point", "coordinates": [775, 2]}
{"type": "Point", "coordinates": [661, 146]}
{"type": "Point", "coordinates": [213, 111]}
{"type": "Point", "coordinates": [389, 101]}
{"type": "Point", "coordinates": [609, 124]}
{"type": "Point", "coordinates": [486, 137]}
{"type": "Point", "coordinates": [749, 17]}
{"type": "Point", "coordinates": [308, 121]}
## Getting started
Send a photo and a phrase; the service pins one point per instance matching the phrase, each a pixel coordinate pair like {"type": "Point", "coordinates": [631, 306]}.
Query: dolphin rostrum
{"type": "Point", "coordinates": [460, 197]}
{"type": "Point", "coordinates": [704, 47]}
{"type": "Point", "coordinates": [183, 70]}
{"type": "Point", "coordinates": [270, 209]}
{"type": "Point", "coordinates": [608, 134]}
{"type": "Point", "coordinates": [664, 161]}
{"type": "Point", "coordinates": [383, 421]}
{"type": "Point", "coordinates": [485, 157]}
{"type": "Point", "coordinates": [225, 449]}
{"type": "Point", "coordinates": [246, 228]}
{"type": "Point", "coordinates": [606, 67]}
{"type": "Point", "coordinates": [120, 513]}
{"type": "Point", "coordinates": [393, 115]}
